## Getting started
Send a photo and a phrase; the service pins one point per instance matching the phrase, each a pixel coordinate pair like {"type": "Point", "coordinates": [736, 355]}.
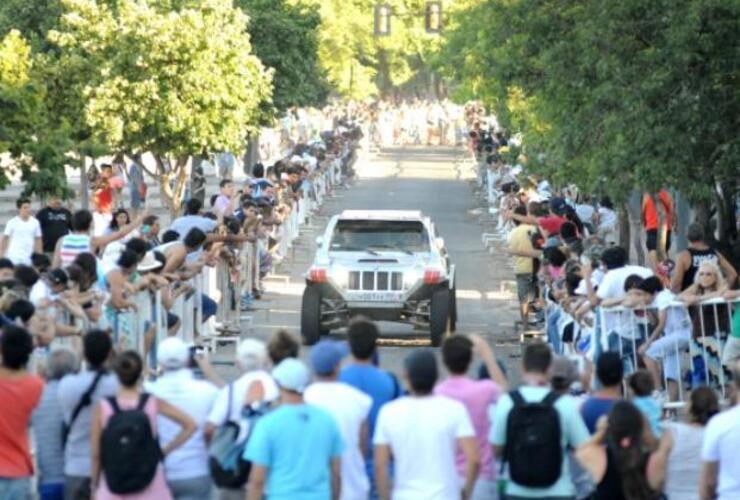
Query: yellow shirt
{"type": "Point", "coordinates": [520, 240]}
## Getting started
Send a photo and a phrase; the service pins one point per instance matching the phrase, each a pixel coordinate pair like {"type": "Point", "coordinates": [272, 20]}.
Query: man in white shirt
{"type": "Point", "coordinates": [720, 472]}
{"type": "Point", "coordinates": [251, 358]}
{"type": "Point", "coordinates": [618, 326]}
{"type": "Point", "coordinates": [186, 468]}
{"type": "Point", "coordinates": [349, 407]}
{"type": "Point", "coordinates": [422, 433]}
{"type": "Point", "coordinates": [22, 235]}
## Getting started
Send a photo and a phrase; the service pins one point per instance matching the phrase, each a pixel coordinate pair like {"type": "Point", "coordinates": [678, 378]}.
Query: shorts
{"type": "Point", "coordinates": [731, 352]}
{"type": "Point", "coordinates": [172, 320]}
{"type": "Point", "coordinates": [651, 240]}
{"type": "Point", "coordinates": [525, 288]}
{"type": "Point", "coordinates": [668, 349]}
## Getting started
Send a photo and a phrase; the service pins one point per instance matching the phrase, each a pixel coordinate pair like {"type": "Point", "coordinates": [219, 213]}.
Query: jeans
{"type": "Point", "coordinates": [209, 307]}
{"type": "Point", "coordinates": [484, 489]}
{"type": "Point", "coordinates": [76, 488]}
{"type": "Point", "coordinates": [51, 491]}
{"type": "Point", "coordinates": [196, 488]}
{"type": "Point", "coordinates": [553, 336]}
{"type": "Point", "coordinates": [15, 488]}
{"type": "Point", "coordinates": [628, 348]}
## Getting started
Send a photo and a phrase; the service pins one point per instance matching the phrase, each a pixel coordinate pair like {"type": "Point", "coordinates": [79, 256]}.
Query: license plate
{"type": "Point", "coordinates": [376, 296]}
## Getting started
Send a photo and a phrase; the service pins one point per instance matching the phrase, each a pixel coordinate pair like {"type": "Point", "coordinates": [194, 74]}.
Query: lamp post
{"type": "Point", "coordinates": [432, 18]}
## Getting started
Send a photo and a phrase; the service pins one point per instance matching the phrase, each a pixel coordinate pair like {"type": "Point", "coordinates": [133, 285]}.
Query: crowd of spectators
{"type": "Point", "coordinates": [585, 421]}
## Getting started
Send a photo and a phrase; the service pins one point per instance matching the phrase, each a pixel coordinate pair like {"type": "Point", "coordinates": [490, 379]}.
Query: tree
{"type": "Point", "coordinates": [34, 144]}
{"type": "Point", "coordinates": [285, 38]}
{"type": "Point", "coordinates": [620, 96]}
{"type": "Point", "coordinates": [171, 78]}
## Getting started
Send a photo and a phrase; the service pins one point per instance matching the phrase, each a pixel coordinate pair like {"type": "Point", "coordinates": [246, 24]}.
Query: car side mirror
{"type": "Point", "coordinates": [440, 242]}
{"type": "Point", "coordinates": [319, 241]}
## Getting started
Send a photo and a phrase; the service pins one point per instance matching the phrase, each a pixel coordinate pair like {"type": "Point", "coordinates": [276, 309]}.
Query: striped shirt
{"type": "Point", "coordinates": [73, 245]}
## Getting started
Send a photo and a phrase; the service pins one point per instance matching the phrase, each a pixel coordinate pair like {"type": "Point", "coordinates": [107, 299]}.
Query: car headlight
{"type": "Point", "coordinates": [340, 276]}
{"type": "Point", "coordinates": [411, 277]}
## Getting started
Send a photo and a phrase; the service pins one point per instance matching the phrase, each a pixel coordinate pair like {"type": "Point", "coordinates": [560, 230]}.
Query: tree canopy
{"type": "Point", "coordinates": [284, 37]}
{"type": "Point", "coordinates": [617, 96]}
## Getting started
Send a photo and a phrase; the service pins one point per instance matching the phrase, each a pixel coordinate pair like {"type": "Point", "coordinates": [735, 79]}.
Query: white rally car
{"type": "Point", "coordinates": [387, 265]}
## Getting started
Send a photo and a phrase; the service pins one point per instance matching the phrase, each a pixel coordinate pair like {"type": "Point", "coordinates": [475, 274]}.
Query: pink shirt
{"type": "Point", "coordinates": [477, 396]}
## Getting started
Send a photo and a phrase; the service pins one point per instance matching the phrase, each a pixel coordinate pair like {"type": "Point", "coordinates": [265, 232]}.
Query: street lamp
{"type": "Point", "coordinates": [433, 17]}
{"type": "Point", "coordinates": [383, 20]}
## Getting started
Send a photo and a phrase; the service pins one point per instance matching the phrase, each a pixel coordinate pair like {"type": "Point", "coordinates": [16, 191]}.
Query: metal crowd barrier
{"type": "Point", "coordinates": [701, 355]}
{"type": "Point", "coordinates": [224, 283]}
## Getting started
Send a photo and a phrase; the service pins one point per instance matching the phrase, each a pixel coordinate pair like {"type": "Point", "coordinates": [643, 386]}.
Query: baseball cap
{"type": "Point", "coordinates": [326, 356]}
{"type": "Point", "coordinates": [557, 205]}
{"type": "Point", "coordinates": [57, 277]}
{"type": "Point", "coordinates": [291, 374]}
{"type": "Point", "coordinates": [563, 370]}
{"type": "Point", "coordinates": [173, 353]}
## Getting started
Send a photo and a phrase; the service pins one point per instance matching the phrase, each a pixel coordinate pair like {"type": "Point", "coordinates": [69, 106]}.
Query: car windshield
{"type": "Point", "coordinates": [379, 236]}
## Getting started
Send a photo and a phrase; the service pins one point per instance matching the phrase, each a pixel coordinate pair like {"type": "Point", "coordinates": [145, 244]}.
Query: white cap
{"type": "Point", "coordinates": [173, 353]}
{"type": "Point", "coordinates": [251, 354]}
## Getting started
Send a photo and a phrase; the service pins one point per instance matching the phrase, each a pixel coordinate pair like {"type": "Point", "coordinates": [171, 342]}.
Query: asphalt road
{"type": "Point", "coordinates": [438, 182]}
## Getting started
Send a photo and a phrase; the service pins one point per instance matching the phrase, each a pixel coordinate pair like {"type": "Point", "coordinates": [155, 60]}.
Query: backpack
{"type": "Point", "coordinates": [533, 447]}
{"type": "Point", "coordinates": [130, 453]}
{"type": "Point", "coordinates": [226, 460]}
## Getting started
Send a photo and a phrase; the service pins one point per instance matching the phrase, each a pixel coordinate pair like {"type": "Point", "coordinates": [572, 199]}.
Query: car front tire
{"type": "Point", "coordinates": [311, 315]}
{"type": "Point", "coordinates": [439, 315]}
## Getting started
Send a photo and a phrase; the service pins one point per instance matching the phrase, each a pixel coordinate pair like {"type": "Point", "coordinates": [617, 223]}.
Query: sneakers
{"type": "Point", "coordinates": [246, 302]}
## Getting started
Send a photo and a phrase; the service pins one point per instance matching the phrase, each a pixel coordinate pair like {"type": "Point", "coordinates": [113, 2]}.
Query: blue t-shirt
{"type": "Point", "coordinates": [652, 412]}
{"type": "Point", "coordinates": [376, 383]}
{"type": "Point", "coordinates": [296, 443]}
{"type": "Point", "coordinates": [593, 408]}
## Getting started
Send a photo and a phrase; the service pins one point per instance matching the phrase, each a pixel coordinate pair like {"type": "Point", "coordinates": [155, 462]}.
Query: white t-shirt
{"type": "Point", "coordinates": [195, 398]}
{"type": "Point", "coordinates": [612, 287]}
{"type": "Point", "coordinates": [240, 386]}
{"type": "Point", "coordinates": [721, 442]}
{"type": "Point", "coordinates": [422, 433]}
{"type": "Point", "coordinates": [350, 408]}
{"type": "Point", "coordinates": [607, 218]}
{"type": "Point", "coordinates": [585, 212]}
{"type": "Point", "coordinates": [22, 235]}
{"type": "Point", "coordinates": [682, 474]}
{"type": "Point", "coordinates": [677, 316]}
{"type": "Point", "coordinates": [39, 292]}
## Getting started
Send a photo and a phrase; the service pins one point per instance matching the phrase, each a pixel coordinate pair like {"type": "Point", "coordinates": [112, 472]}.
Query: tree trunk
{"type": "Point", "coordinates": [633, 208]}
{"type": "Point", "coordinates": [624, 228]}
{"type": "Point", "coordinates": [84, 188]}
{"type": "Point", "coordinates": [252, 153]}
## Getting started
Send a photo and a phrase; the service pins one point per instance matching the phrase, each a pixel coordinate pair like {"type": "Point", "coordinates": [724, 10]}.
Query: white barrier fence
{"type": "Point", "coordinates": [698, 344]}
{"type": "Point", "coordinates": [145, 326]}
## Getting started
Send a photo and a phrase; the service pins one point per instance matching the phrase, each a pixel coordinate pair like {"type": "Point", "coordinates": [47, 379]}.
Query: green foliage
{"type": "Point", "coordinates": [34, 145]}
{"type": "Point", "coordinates": [616, 95]}
{"type": "Point", "coordinates": [171, 78]}
{"type": "Point", "coordinates": [359, 64]}
{"type": "Point", "coordinates": [285, 38]}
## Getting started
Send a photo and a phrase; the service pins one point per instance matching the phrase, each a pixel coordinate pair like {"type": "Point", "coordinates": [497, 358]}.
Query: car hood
{"type": "Point", "coordinates": [383, 258]}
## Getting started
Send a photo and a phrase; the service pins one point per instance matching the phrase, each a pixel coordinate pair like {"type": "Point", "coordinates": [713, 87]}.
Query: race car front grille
{"type": "Point", "coordinates": [375, 281]}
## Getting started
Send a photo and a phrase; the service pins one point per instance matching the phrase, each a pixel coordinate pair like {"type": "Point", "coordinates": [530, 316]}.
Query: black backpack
{"type": "Point", "coordinates": [533, 448]}
{"type": "Point", "coordinates": [129, 451]}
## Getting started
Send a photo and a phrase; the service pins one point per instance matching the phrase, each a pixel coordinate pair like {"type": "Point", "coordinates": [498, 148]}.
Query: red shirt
{"type": "Point", "coordinates": [551, 224]}
{"type": "Point", "coordinates": [103, 196]}
{"type": "Point", "coordinates": [18, 398]}
{"type": "Point", "coordinates": [650, 212]}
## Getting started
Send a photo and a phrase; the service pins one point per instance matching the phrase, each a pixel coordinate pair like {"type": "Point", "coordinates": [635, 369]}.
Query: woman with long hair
{"type": "Point", "coordinates": [710, 325]}
{"type": "Point", "coordinates": [684, 469]}
{"type": "Point", "coordinates": [128, 367]}
{"type": "Point", "coordinates": [618, 461]}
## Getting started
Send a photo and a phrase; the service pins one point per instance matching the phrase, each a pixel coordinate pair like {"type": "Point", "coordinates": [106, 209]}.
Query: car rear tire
{"type": "Point", "coordinates": [439, 315]}
{"type": "Point", "coordinates": [311, 315]}
{"type": "Point", "coordinates": [453, 309]}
